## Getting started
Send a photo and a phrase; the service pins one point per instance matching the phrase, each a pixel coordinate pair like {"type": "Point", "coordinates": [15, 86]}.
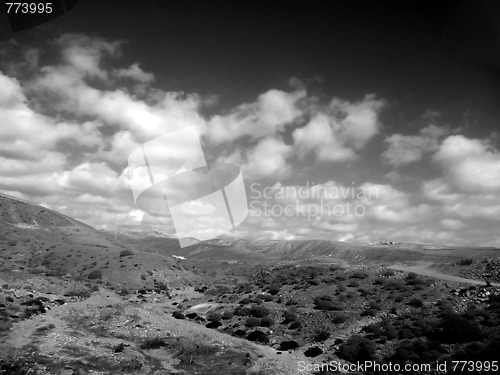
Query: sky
{"type": "Point", "coordinates": [353, 121]}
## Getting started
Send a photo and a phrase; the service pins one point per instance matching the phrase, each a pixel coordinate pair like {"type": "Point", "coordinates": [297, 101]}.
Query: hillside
{"type": "Point", "coordinates": [37, 241]}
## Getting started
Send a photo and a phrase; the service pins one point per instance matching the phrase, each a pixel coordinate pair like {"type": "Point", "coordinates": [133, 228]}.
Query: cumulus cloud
{"type": "Point", "coordinates": [134, 72]}
{"type": "Point", "coordinates": [337, 131]}
{"type": "Point", "coordinates": [407, 149]}
{"type": "Point", "coordinates": [267, 116]}
{"type": "Point", "coordinates": [471, 165]}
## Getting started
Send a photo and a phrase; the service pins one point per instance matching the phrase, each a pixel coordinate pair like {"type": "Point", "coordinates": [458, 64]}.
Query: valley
{"type": "Point", "coordinates": [75, 300]}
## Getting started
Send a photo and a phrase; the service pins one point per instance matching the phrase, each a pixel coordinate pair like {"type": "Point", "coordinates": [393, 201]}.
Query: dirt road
{"type": "Point", "coordinates": [423, 268]}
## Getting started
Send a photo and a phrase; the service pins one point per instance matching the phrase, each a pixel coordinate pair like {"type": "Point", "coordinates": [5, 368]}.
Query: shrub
{"type": "Point", "coordinates": [289, 316]}
{"type": "Point", "coordinates": [213, 324]}
{"type": "Point", "coordinates": [267, 322]}
{"type": "Point", "coordinates": [322, 336]}
{"type": "Point", "coordinates": [95, 274]}
{"type": "Point", "coordinates": [370, 312]}
{"type": "Point", "coordinates": [465, 262]}
{"type": "Point", "coordinates": [313, 352]}
{"type": "Point", "coordinates": [258, 336]}
{"type": "Point", "coordinates": [245, 301]}
{"type": "Point", "coordinates": [357, 349]}
{"type": "Point", "coordinates": [339, 318]}
{"type": "Point", "coordinates": [259, 311]}
{"type": "Point", "coordinates": [325, 304]}
{"type": "Point", "coordinates": [214, 316]}
{"type": "Point", "coordinates": [252, 322]}
{"type": "Point", "coordinates": [273, 289]}
{"type": "Point", "coordinates": [154, 343]}
{"type": "Point", "coordinates": [289, 345]}
{"type": "Point", "coordinates": [265, 297]}
{"type": "Point", "coordinates": [226, 315]}
{"type": "Point", "coordinates": [126, 253]}
{"type": "Point", "coordinates": [412, 276]}
{"type": "Point", "coordinates": [242, 311]}
{"type": "Point", "coordinates": [416, 302]}
{"type": "Point", "coordinates": [458, 329]}
{"type": "Point", "coordinates": [375, 306]}
{"type": "Point", "coordinates": [359, 275]}
{"type": "Point", "coordinates": [178, 314]}
{"type": "Point", "coordinates": [124, 292]}
{"type": "Point", "coordinates": [295, 325]}
{"type": "Point", "coordinates": [388, 273]}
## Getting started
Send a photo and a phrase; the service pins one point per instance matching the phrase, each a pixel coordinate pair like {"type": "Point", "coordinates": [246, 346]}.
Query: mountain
{"type": "Point", "coordinates": [35, 240]}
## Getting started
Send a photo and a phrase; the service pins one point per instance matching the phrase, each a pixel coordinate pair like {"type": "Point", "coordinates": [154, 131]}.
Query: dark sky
{"type": "Point", "coordinates": [420, 54]}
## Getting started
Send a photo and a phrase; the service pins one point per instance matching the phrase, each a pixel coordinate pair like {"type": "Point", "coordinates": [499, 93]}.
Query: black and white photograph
{"type": "Point", "coordinates": [253, 187]}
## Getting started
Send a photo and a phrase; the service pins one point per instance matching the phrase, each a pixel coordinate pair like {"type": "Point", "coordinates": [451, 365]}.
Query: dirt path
{"type": "Point", "coordinates": [423, 268]}
{"type": "Point", "coordinates": [155, 320]}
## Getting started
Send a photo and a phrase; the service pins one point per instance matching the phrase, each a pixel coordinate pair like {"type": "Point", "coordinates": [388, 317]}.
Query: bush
{"type": "Point", "coordinates": [154, 343]}
{"type": "Point", "coordinates": [213, 324]}
{"type": "Point", "coordinates": [370, 312]}
{"type": "Point", "coordinates": [458, 329]}
{"type": "Point", "coordinates": [295, 325]}
{"type": "Point", "coordinates": [325, 304]}
{"type": "Point", "coordinates": [339, 318]}
{"type": "Point", "coordinates": [252, 322]}
{"type": "Point", "coordinates": [358, 349]}
{"type": "Point", "coordinates": [124, 292]}
{"type": "Point", "coordinates": [95, 274]}
{"type": "Point", "coordinates": [388, 273]}
{"type": "Point", "coordinates": [226, 315]}
{"type": "Point", "coordinates": [126, 253]}
{"type": "Point", "coordinates": [375, 306]}
{"type": "Point", "coordinates": [214, 316]}
{"type": "Point", "coordinates": [259, 311]}
{"type": "Point", "coordinates": [465, 262]}
{"type": "Point", "coordinates": [178, 314]}
{"type": "Point", "coordinates": [242, 311]}
{"type": "Point", "coordinates": [289, 345]}
{"type": "Point", "coordinates": [416, 302]}
{"type": "Point", "coordinates": [258, 336]}
{"type": "Point", "coordinates": [359, 275]}
{"type": "Point", "coordinates": [289, 316]}
{"type": "Point", "coordinates": [322, 336]}
{"type": "Point", "coordinates": [265, 297]}
{"type": "Point", "coordinates": [273, 289]}
{"type": "Point", "coordinates": [267, 322]}
{"type": "Point", "coordinates": [313, 352]}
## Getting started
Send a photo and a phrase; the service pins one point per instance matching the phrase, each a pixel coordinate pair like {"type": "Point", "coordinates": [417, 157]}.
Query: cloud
{"type": "Point", "coordinates": [267, 116]}
{"type": "Point", "coordinates": [471, 165]}
{"type": "Point", "coordinates": [267, 159]}
{"type": "Point", "coordinates": [407, 149]}
{"type": "Point", "coordinates": [134, 72]}
{"type": "Point", "coordinates": [336, 131]}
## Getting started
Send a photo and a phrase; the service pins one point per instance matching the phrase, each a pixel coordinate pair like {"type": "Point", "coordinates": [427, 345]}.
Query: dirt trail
{"type": "Point", "coordinates": [155, 319]}
{"type": "Point", "coordinates": [423, 268]}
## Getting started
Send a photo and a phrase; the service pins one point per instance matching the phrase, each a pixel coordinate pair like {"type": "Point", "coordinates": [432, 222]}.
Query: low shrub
{"type": "Point", "coordinates": [259, 311]}
{"type": "Point", "coordinates": [153, 343]}
{"type": "Point", "coordinates": [214, 316]}
{"type": "Point", "coordinates": [289, 345]}
{"type": "Point", "coordinates": [126, 253]}
{"type": "Point", "coordinates": [267, 321]}
{"type": "Point", "coordinates": [322, 336]}
{"type": "Point", "coordinates": [252, 322]}
{"type": "Point", "coordinates": [95, 274]}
